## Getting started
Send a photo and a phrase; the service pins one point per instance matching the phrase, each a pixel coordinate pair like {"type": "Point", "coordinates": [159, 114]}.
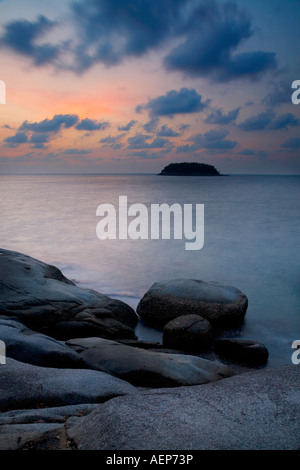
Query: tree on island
{"type": "Point", "coordinates": [190, 169]}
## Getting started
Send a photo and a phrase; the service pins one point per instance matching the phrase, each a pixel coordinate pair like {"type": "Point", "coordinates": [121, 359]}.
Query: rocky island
{"type": "Point", "coordinates": [189, 169]}
{"type": "Point", "coordinates": [73, 374]}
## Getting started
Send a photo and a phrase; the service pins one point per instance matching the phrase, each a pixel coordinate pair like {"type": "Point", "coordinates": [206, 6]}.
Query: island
{"type": "Point", "coordinates": [189, 169]}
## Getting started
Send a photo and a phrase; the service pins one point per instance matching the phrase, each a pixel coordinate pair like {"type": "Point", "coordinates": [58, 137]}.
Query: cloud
{"type": "Point", "coordinates": [207, 35]}
{"type": "Point", "coordinates": [254, 153]}
{"type": "Point", "coordinates": [39, 139]}
{"type": "Point", "coordinates": [183, 127]}
{"type": "Point", "coordinates": [53, 125]}
{"type": "Point", "coordinates": [215, 31]}
{"type": "Point", "coordinates": [119, 29]}
{"type": "Point", "coordinates": [292, 144]}
{"type": "Point", "coordinates": [218, 117]}
{"type": "Point", "coordinates": [284, 121]}
{"type": "Point", "coordinates": [166, 131]}
{"type": "Point", "coordinates": [279, 94]}
{"type": "Point", "coordinates": [112, 141]}
{"type": "Point", "coordinates": [139, 141]}
{"type": "Point", "coordinates": [21, 37]}
{"type": "Point", "coordinates": [184, 101]}
{"type": "Point", "coordinates": [147, 156]}
{"type": "Point", "coordinates": [213, 140]}
{"type": "Point", "coordinates": [91, 125]}
{"type": "Point", "coordinates": [258, 122]}
{"type": "Point", "coordinates": [74, 151]}
{"type": "Point", "coordinates": [151, 125]}
{"type": "Point", "coordinates": [128, 126]}
{"type": "Point", "coordinates": [268, 120]}
{"type": "Point", "coordinates": [16, 139]}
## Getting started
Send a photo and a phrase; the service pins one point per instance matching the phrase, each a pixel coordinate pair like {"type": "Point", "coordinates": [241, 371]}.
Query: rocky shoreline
{"type": "Point", "coordinates": [77, 377]}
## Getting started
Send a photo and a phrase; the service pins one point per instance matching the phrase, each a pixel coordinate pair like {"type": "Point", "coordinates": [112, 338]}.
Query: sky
{"type": "Point", "coordinates": [129, 86]}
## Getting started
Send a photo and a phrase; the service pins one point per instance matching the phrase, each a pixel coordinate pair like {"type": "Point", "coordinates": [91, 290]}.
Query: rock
{"type": "Point", "coordinates": [27, 386]}
{"type": "Point", "coordinates": [242, 350]}
{"type": "Point", "coordinates": [148, 368]}
{"type": "Point", "coordinates": [223, 306]}
{"type": "Point", "coordinates": [39, 436]}
{"type": "Point", "coordinates": [40, 429]}
{"type": "Point", "coordinates": [46, 415]}
{"type": "Point", "coordinates": [41, 297]}
{"type": "Point", "coordinates": [189, 333]}
{"type": "Point", "coordinates": [140, 343]}
{"type": "Point", "coordinates": [101, 327]}
{"type": "Point", "coordinates": [34, 348]}
{"type": "Point", "coordinates": [258, 410]}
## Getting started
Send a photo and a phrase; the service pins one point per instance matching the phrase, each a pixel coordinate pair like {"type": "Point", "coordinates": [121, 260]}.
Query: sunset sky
{"type": "Point", "coordinates": [128, 86]}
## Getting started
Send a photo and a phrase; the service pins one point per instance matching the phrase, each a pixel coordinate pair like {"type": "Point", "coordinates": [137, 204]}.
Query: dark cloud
{"type": "Point", "coordinates": [184, 101]}
{"type": "Point", "coordinates": [218, 117]}
{"type": "Point", "coordinates": [147, 155]}
{"type": "Point", "coordinates": [207, 34]}
{"type": "Point", "coordinates": [112, 141]}
{"type": "Point", "coordinates": [284, 121]}
{"type": "Point", "coordinates": [279, 94]}
{"type": "Point", "coordinates": [119, 29]}
{"type": "Point", "coordinates": [76, 152]}
{"type": "Point", "coordinates": [140, 141]}
{"type": "Point", "coordinates": [39, 139]}
{"type": "Point", "coordinates": [268, 120]}
{"type": "Point", "coordinates": [166, 131]}
{"type": "Point", "coordinates": [91, 125]}
{"type": "Point", "coordinates": [183, 127]}
{"type": "Point", "coordinates": [292, 144]}
{"type": "Point", "coordinates": [254, 153]}
{"type": "Point", "coordinates": [16, 139]}
{"type": "Point", "coordinates": [213, 139]}
{"type": "Point", "coordinates": [151, 125]}
{"type": "Point", "coordinates": [128, 126]}
{"type": "Point", "coordinates": [22, 36]}
{"type": "Point", "coordinates": [53, 125]}
{"type": "Point", "coordinates": [214, 33]}
{"type": "Point", "coordinates": [258, 122]}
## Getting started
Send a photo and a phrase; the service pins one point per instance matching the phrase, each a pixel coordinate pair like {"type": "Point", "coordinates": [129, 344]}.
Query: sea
{"type": "Point", "coordinates": [251, 241]}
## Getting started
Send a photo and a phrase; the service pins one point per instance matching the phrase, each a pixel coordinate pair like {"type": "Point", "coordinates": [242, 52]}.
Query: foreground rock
{"type": "Point", "coordinates": [189, 333]}
{"type": "Point", "coordinates": [242, 350]}
{"type": "Point", "coordinates": [254, 411]}
{"type": "Point", "coordinates": [41, 429]}
{"type": "Point", "coordinates": [43, 299]}
{"type": "Point", "coordinates": [27, 386]}
{"type": "Point", "coordinates": [26, 345]}
{"type": "Point", "coordinates": [147, 368]}
{"type": "Point", "coordinates": [223, 306]}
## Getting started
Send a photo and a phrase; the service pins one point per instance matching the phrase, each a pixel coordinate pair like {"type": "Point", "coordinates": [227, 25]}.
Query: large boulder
{"type": "Point", "coordinates": [188, 333]}
{"type": "Point", "coordinates": [31, 347]}
{"type": "Point", "coordinates": [223, 306]}
{"type": "Point", "coordinates": [147, 368]}
{"type": "Point", "coordinates": [39, 429]}
{"type": "Point", "coordinates": [42, 298]}
{"type": "Point", "coordinates": [27, 386]}
{"type": "Point", "coordinates": [242, 350]}
{"type": "Point", "coordinates": [258, 410]}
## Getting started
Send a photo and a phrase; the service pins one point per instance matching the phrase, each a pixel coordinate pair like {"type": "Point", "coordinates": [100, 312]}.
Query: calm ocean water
{"type": "Point", "coordinates": [252, 233]}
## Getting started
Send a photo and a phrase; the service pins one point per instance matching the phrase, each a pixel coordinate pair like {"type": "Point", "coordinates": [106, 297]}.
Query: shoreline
{"type": "Point", "coordinates": [91, 383]}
